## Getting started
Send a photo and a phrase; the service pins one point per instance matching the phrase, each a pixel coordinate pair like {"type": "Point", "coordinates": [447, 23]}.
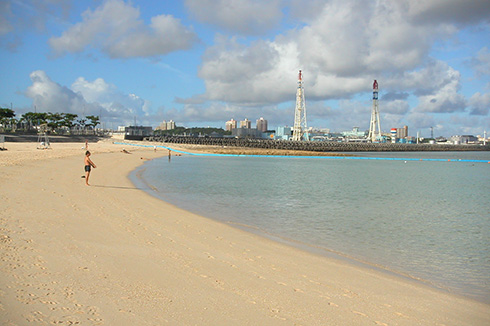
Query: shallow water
{"type": "Point", "coordinates": [428, 219]}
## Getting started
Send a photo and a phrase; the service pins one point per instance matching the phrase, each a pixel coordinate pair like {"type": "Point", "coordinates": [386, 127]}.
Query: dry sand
{"type": "Point", "coordinates": [111, 254]}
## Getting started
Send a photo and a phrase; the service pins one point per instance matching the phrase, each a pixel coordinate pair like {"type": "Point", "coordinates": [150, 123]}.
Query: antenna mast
{"type": "Point", "coordinates": [374, 134]}
{"type": "Point", "coordinates": [300, 130]}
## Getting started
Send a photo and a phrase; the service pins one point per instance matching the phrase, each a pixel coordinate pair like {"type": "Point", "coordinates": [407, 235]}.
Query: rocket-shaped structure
{"type": "Point", "coordinates": [374, 126]}
{"type": "Point", "coordinates": [300, 130]}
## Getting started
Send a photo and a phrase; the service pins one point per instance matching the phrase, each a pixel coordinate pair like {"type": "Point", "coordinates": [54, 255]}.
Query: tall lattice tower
{"type": "Point", "coordinates": [374, 126]}
{"type": "Point", "coordinates": [300, 130]}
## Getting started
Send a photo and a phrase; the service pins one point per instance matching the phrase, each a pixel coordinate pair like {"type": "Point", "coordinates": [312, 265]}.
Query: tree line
{"type": "Point", "coordinates": [54, 121]}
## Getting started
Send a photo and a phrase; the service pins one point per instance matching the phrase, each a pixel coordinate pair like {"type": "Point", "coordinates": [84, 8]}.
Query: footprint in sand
{"type": "Point", "coordinates": [401, 315]}
{"type": "Point", "coordinates": [360, 313]}
{"type": "Point", "coordinates": [209, 255]}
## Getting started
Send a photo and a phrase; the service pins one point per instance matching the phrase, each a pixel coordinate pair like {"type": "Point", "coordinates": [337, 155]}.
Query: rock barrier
{"type": "Point", "coordinates": [315, 146]}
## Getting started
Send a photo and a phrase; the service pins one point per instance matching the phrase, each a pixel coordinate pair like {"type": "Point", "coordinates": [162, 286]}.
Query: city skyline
{"type": "Point", "coordinates": [201, 62]}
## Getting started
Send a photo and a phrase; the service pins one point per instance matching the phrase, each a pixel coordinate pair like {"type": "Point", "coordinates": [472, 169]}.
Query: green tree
{"type": "Point", "coordinates": [54, 120]}
{"type": "Point", "coordinates": [82, 123]}
{"type": "Point", "coordinates": [6, 114]}
{"type": "Point", "coordinates": [94, 120]}
{"type": "Point", "coordinates": [36, 118]}
{"type": "Point", "coordinates": [68, 119]}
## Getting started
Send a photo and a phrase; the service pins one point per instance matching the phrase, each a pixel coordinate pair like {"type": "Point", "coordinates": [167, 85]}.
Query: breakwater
{"type": "Point", "coordinates": [316, 146]}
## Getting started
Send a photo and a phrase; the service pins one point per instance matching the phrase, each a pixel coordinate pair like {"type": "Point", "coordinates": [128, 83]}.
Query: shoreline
{"type": "Point", "coordinates": [113, 254]}
{"type": "Point", "coordinates": [138, 180]}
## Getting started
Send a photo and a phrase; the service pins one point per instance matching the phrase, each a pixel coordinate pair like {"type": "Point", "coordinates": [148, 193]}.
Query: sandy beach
{"type": "Point", "coordinates": [111, 254]}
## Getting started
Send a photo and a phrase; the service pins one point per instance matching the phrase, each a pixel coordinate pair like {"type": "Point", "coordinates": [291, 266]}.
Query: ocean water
{"type": "Point", "coordinates": [426, 219]}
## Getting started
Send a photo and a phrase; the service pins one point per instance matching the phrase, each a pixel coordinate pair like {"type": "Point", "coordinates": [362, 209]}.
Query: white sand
{"type": "Point", "coordinates": [111, 254]}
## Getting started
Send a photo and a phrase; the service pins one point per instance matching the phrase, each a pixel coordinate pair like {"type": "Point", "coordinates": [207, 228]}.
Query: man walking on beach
{"type": "Point", "coordinates": [88, 166]}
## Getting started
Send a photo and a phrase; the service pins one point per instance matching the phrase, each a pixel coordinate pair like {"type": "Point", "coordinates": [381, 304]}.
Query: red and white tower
{"type": "Point", "coordinates": [300, 130]}
{"type": "Point", "coordinates": [374, 127]}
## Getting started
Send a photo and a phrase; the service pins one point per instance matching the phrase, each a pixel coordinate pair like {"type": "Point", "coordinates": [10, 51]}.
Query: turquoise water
{"type": "Point", "coordinates": [427, 219]}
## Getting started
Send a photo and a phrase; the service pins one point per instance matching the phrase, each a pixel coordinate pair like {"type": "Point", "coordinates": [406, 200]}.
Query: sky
{"type": "Point", "coordinates": [203, 62]}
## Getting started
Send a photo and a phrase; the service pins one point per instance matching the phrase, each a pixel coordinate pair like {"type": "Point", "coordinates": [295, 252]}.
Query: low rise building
{"type": "Point", "coordinates": [283, 133]}
{"type": "Point", "coordinates": [246, 133]}
{"type": "Point", "coordinates": [137, 132]}
{"type": "Point", "coordinates": [464, 139]}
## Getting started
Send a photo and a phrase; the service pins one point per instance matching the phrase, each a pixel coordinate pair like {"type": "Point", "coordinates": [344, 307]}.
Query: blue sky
{"type": "Point", "coordinates": [203, 62]}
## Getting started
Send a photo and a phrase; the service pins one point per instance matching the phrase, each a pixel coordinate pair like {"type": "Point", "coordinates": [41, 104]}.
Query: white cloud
{"type": "Point", "coordinates": [87, 98]}
{"type": "Point", "coordinates": [113, 101]}
{"type": "Point", "coordinates": [441, 94]}
{"type": "Point", "coordinates": [247, 17]}
{"type": "Point", "coordinates": [117, 30]}
{"type": "Point", "coordinates": [432, 76]}
{"type": "Point", "coordinates": [240, 74]}
{"type": "Point", "coordinates": [50, 96]}
{"type": "Point", "coordinates": [479, 104]}
{"type": "Point", "coordinates": [93, 91]}
{"type": "Point", "coordinates": [341, 50]}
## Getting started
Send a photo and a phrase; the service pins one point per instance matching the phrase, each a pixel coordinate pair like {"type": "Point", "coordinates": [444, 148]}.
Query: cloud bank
{"type": "Point", "coordinates": [115, 28]}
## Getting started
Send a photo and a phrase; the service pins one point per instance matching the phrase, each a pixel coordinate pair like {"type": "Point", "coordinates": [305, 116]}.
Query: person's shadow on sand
{"type": "Point", "coordinates": [117, 187]}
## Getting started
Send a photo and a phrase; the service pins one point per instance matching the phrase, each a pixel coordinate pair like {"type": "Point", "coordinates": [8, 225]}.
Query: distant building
{"type": "Point", "coordinates": [247, 124]}
{"type": "Point", "coordinates": [464, 139]}
{"type": "Point", "coordinates": [230, 125]}
{"type": "Point", "coordinates": [354, 133]}
{"type": "Point", "coordinates": [246, 133]}
{"type": "Point", "coordinates": [262, 124]}
{"type": "Point", "coordinates": [399, 134]}
{"type": "Point", "coordinates": [283, 133]}
{"type": "Point", "coordinates": [402, 132]}
{"type": "Point", "coordinates": [166, 125]}
{"type": "Point", "coordinates": [137, 132]}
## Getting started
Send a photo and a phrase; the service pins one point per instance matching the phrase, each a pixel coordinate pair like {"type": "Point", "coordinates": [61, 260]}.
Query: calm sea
{"type": "Point", "coordinates": [426, 219]}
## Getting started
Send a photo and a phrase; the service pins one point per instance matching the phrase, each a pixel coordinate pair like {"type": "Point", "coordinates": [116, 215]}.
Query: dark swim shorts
{"type": "Point", "coordinates": [87, 168]}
